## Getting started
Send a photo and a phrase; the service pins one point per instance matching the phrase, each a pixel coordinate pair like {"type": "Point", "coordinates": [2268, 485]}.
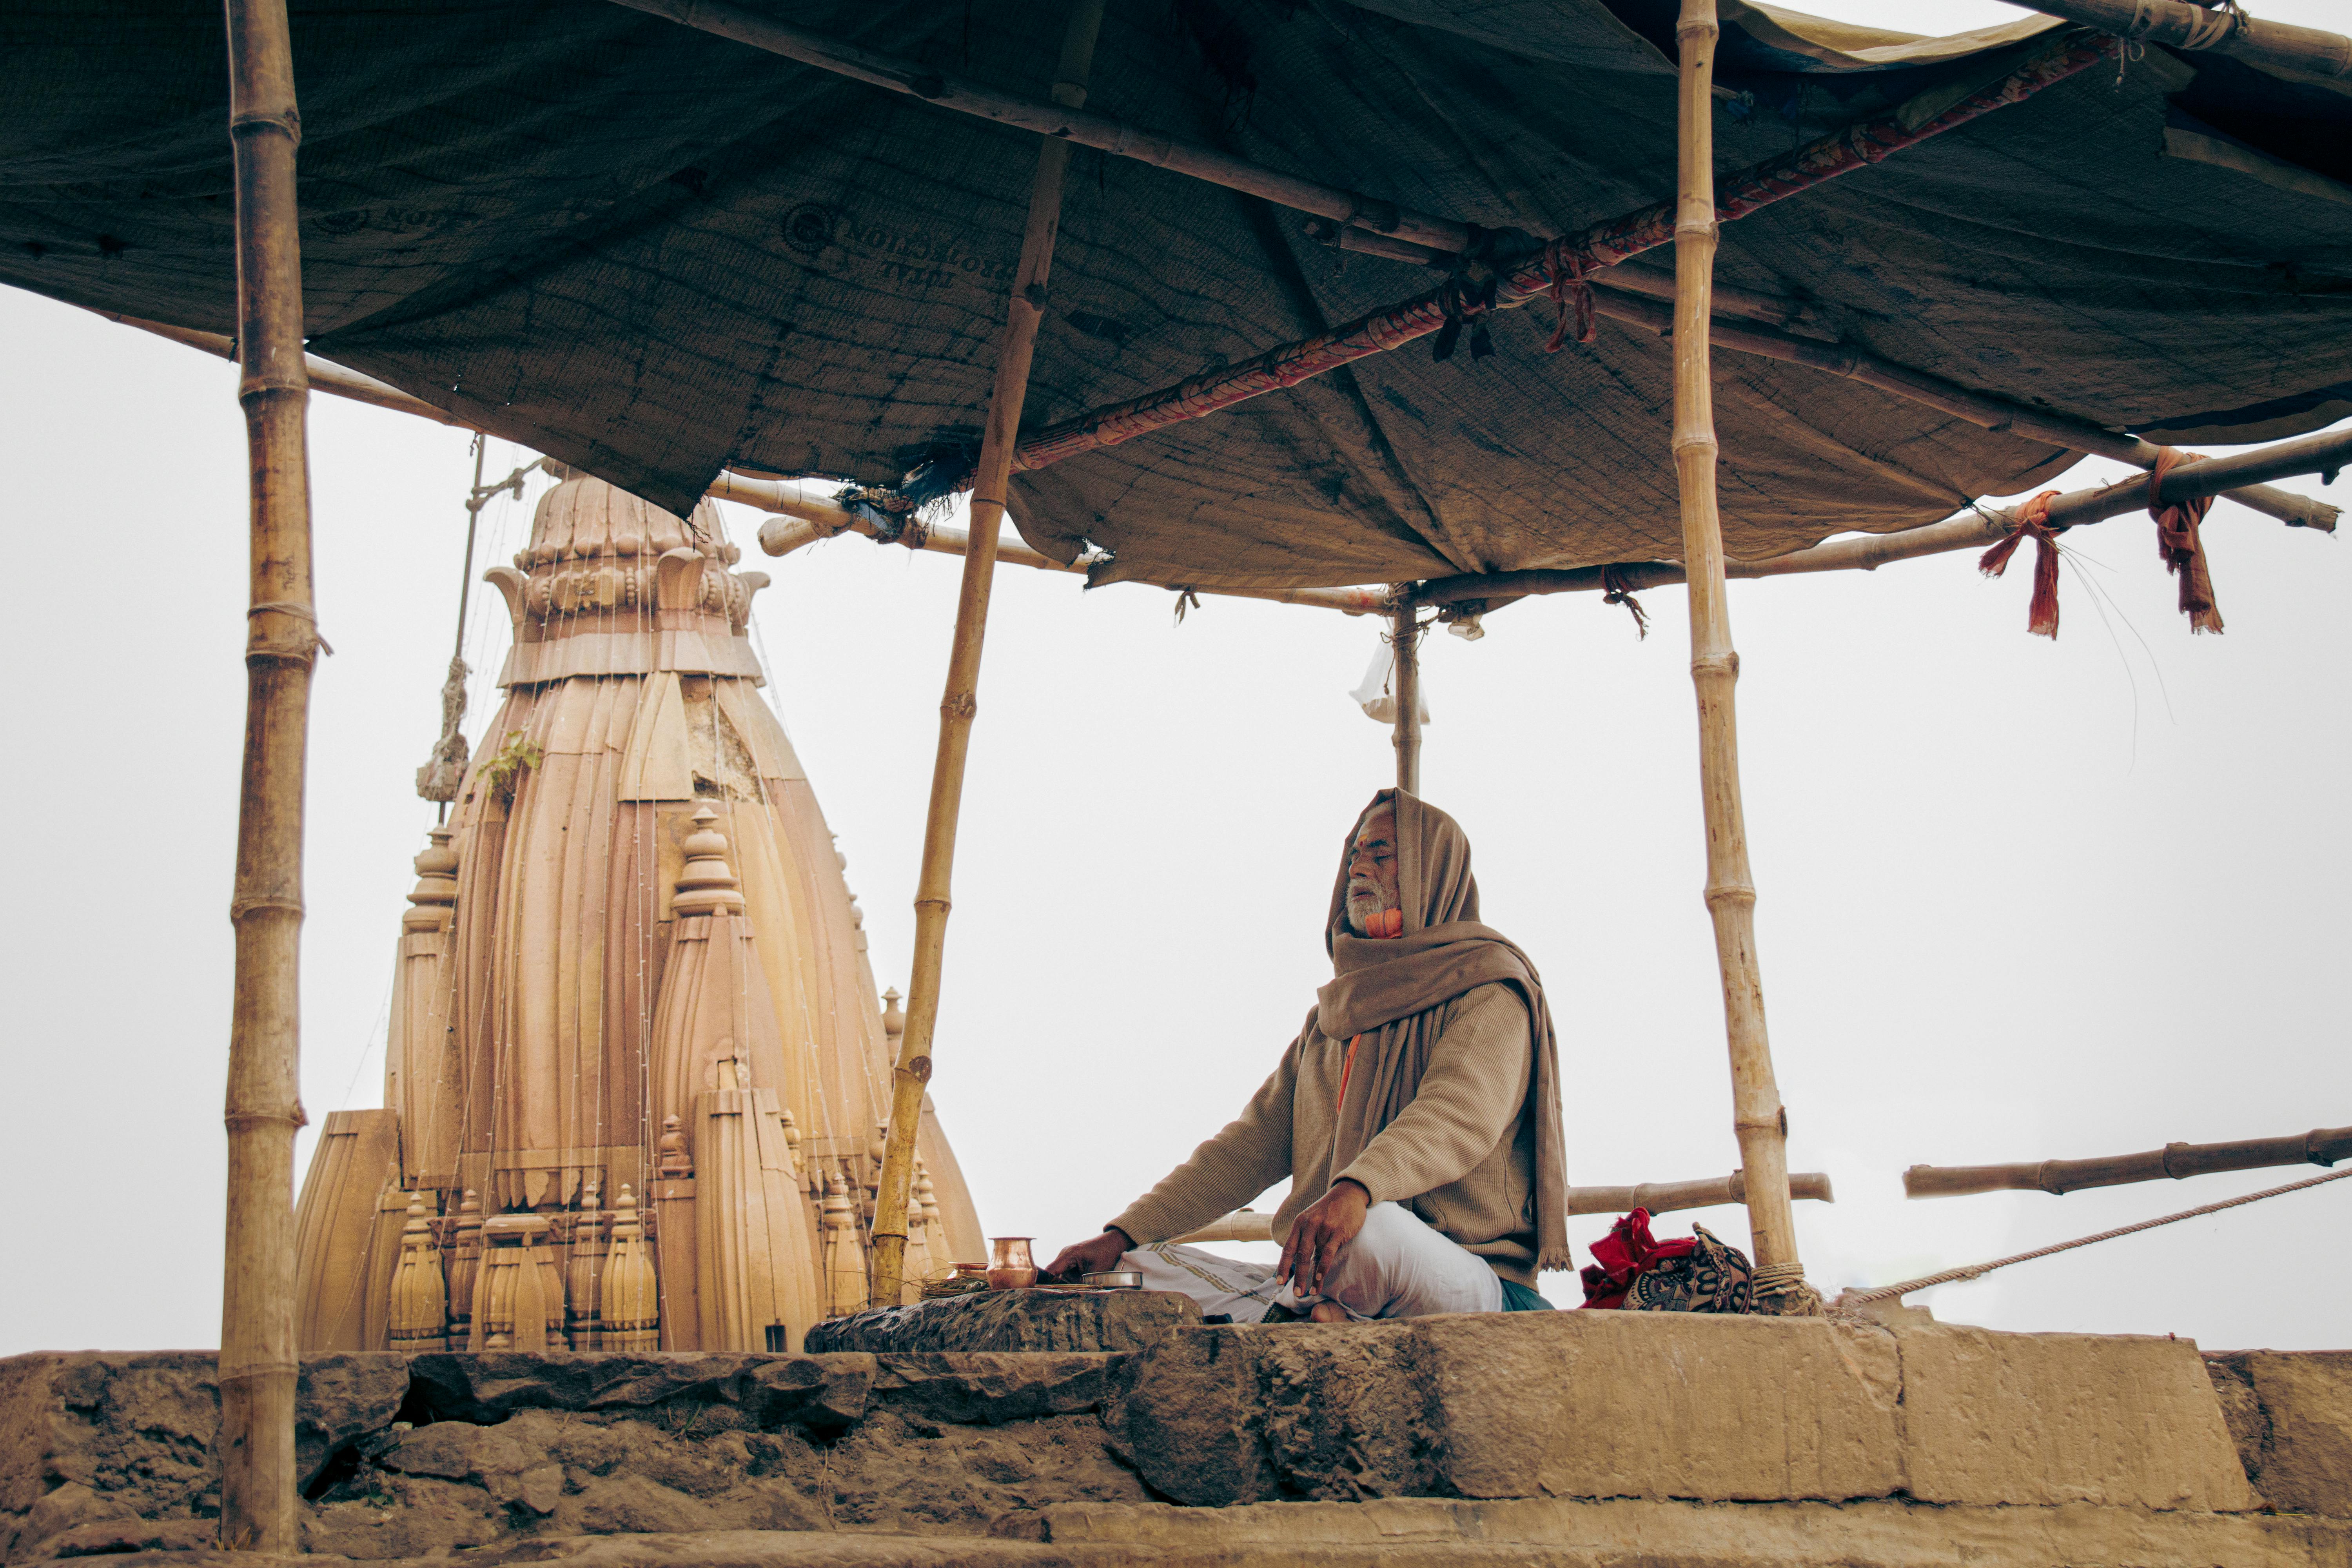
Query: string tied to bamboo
{"type": "Point", "coordinates": [2179, 540]}
{"type": "Point", "coordinates": [1572, 294]}
{"type": "Point", "coordinates": [1468, 297]}
{"type": "Point", "coordinates": [1617, 589]}
{"type": "Point", "coordinates": [2033, 522]}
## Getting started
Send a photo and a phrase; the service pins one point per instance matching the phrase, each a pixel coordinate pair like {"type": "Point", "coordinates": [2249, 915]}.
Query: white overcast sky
{"type": "Point", "coordinates": [2018, 901]}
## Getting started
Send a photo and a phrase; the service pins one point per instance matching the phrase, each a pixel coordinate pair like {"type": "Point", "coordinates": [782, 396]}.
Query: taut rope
{"type": "Point", "coordinates": [1855, 1298]}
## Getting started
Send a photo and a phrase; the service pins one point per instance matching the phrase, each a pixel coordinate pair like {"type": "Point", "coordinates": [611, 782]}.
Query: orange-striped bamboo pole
{"type": "Point", "coordinates": [1756, 1115]}
{"type": "Point", "coordinates": [257, 1358]}
{"type": "Point", "coordinates": [1027, 308]}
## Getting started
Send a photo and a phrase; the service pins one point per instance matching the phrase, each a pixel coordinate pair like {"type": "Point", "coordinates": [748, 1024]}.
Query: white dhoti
{"type": "Point", "coordinates": [1395, 1268]}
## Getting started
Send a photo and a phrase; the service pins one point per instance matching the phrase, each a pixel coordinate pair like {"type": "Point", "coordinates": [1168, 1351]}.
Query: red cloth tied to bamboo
{"type": "Point", "coordinates": [1626, 1253]}
{"type": "Point", "coordinates": [2033, 522]}
{"type": "Point", "coordinates": [2179, 542]}
{"type": "Point", "coordinates": [1615, 590]}
{"type": "Point", "coordinates": [1570, 292]}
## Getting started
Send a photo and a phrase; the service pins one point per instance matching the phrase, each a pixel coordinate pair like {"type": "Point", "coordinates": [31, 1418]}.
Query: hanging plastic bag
{"type": "Point", "coordinates": [1375, 695]}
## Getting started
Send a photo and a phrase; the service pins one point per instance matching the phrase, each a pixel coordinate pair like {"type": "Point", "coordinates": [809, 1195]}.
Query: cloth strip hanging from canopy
{"type": "Point", "coordinates": [654, 254]}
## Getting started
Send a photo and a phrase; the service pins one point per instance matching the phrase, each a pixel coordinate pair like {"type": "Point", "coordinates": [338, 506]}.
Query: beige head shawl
{"type": "Point", "coordinates": [1388, 990]}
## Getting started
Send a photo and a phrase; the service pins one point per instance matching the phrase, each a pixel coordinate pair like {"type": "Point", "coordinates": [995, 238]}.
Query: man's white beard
{"type": "Point", "coordinates": [1362, 907]}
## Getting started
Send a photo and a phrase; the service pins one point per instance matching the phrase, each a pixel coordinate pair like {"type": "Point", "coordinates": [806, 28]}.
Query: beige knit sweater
{"type": "Point", "coordinates": [1461, 1156]}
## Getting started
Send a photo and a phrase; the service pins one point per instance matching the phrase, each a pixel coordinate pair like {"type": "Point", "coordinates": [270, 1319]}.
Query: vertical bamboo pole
{"type": "Point", "coordinates": [1027, 308]}
{"type": "Point", "coordinates": [1404, 636]}
{"type": "Point", "coordinates": [1756, 1115]}
{"type": "Point", "coordinates": [257, 1358]}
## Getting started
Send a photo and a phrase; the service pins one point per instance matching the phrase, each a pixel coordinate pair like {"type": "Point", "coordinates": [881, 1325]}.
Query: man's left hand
{"type": "Point", "coordinates": [1320, 1233]}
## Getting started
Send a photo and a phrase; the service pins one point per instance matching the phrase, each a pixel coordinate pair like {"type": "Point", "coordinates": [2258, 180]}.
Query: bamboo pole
{"type": "Point", "coordinates": [258, 1367]}
{"type": "Point", "coordinates": [1058, 119]}
{"type": "Point", "coordinates": [1658, 1197]}
{"type": "Point", "coordinates": [1918, 387]}
{"type": "Point", "coordinates": [1867, 552]}
{"type": "Point", "coordinates": [2305, 50]}
{"type": "Point", "coordinates": [1756, 1114]}
{"type": "Point", "coordinates": [324, 375]}
{"type": "Point", "coordinates": [1606, 244]}
{"type": "Point", "coordinates": [1992, 413]}
{"type": "Point", "coordinates": [1026, 309]}
{"type": "Point", "coordinates": [2175, 1161]}
{"type": "Point", "coordinates": [806, 515]}
{"type": "Point", "coordinates": [1405, 636]}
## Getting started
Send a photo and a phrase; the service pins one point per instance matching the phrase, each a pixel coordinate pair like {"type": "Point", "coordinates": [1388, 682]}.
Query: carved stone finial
{"type": "Point", "coordinates": [708, 885]}
{"type": "Point", "coordinates": [791, 1137]}
{"type": "Point", "coordinates": [435, 897]}
{"type": "Point", "coordinates": [672, 1161]}
{"type": "Point", "coordinates": [629, 1304]}
{"type": "Point", "coordinates": [894, 1022]}
{"type": "Point", "coordinates": [420, 1301]}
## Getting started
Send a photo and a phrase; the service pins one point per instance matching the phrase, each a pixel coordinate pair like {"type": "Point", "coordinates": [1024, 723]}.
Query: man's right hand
{"type": "Point", "coordinates": [1097, 1256]}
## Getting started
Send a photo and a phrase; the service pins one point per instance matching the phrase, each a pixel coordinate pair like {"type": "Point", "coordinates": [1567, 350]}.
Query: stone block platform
{"type": "Point", "coordinates": [1578, 1438]}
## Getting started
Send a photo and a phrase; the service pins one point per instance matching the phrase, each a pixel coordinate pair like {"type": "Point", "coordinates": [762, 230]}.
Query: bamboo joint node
{"type": "Point", "coordinates": [1722, 664]}
{"type": "Point", "coordinates": [289, 120]}
{"type": "Point", "coordinates": [1731, 893]}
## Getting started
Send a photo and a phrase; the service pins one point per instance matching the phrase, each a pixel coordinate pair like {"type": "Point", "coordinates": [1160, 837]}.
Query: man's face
{"type": "Point", "coordinates": [1372, 870]}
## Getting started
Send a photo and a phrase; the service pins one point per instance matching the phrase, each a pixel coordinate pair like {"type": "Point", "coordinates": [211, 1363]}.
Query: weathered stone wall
{"type": "Point", "coordinates": [2291, 1416]}
{"type": "Point", "coordinates": [406, 1458]}
{"type": "Point", "coordinates": [1595, 1438]}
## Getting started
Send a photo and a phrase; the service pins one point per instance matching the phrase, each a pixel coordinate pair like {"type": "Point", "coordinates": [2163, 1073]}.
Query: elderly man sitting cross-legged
{"type": "Point", "coordinates": [1416, 1115]}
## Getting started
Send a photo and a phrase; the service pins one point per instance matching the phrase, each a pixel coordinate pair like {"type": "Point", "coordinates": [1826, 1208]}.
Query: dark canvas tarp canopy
{"type": "Point", "coordinates": [653, 252]}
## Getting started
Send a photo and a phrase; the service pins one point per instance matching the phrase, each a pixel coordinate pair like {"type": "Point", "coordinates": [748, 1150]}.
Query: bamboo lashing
{"type": "Point", "coordinates": [1405, 635]}
{"type": "Point", "coordinates": [2175, 1162]}
{"type": "Point", "coordinates": [1658, 1197]}
{"type": "Point", "coordinates": [1026, 307]}
{"type": "Point", "coordinates": [1602, 245]}
{"type": "Point", "coordinates": [1758, 1118]}
{"type": "Point", "coordinates": [1060, 120]}
{"type": "Point", "coordinates": [1867, 552]}
{"type": "Point", "coordinates": [2224, 31]}
{"type": "Point", "coordinates": [257, 1368]}
{"type": "Point", "coordinates": [806, 515]}
{"type": "Point", "coordinates": [1950, 1276]}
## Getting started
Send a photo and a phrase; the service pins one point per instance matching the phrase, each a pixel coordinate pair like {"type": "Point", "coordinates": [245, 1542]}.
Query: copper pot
{"type": "Point", "coordinates": [1011, 1268]}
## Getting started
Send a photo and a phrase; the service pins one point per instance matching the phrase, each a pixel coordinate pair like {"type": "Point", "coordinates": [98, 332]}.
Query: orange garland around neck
{"type": "Point", "coordinates": [1387, 923]}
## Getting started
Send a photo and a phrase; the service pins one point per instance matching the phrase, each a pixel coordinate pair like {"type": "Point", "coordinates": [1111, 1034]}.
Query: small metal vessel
{"type": "Point", "coordinates": [1115, 1280]}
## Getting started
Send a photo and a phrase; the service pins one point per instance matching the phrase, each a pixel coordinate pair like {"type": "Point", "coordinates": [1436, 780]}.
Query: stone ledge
{"type": "Point", "coordinates": [1015, 1320]}
{"type": "Point", "coordinates": [1672, 1405]}
{"type": "Point", "coordinates": [1623, 1532]}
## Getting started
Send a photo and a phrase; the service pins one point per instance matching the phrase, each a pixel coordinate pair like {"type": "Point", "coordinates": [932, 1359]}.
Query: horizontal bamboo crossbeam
{"type": "Point", "coordinates": [805, 514]}
{"type": "Point", "coordinates": [1665, 1197]}
{"type": "Point", "coordinates": [1658, 1197]}
{"type": "Point", "coordinates": [1084, 127]}
{"type": "Point", "coordinates": [325, 376]}
{"type": "Point", "coordinates": [1866, 553]}
{"type": "Point", "coordinates": [1602, 245]}
{"type": "Point", "coordinates": [1949, 397]}
{"type": "Point", "coordinates": [2320, 1146]}
{"type": "Point", "coordinates": [2307, 51]}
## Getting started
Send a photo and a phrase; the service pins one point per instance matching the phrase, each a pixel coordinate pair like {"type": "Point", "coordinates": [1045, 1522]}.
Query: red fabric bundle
{"type": "Point", "coordinates": [2178, 542]}
{"type": "Point", "coordinates": [1626, 1253]}
{"type": "Point", "coordinates": [2033, 522]}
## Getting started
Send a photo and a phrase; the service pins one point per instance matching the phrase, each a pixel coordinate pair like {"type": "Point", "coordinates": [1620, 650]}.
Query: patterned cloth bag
{"type": "Point", "coordinates": [1636, 1272]}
